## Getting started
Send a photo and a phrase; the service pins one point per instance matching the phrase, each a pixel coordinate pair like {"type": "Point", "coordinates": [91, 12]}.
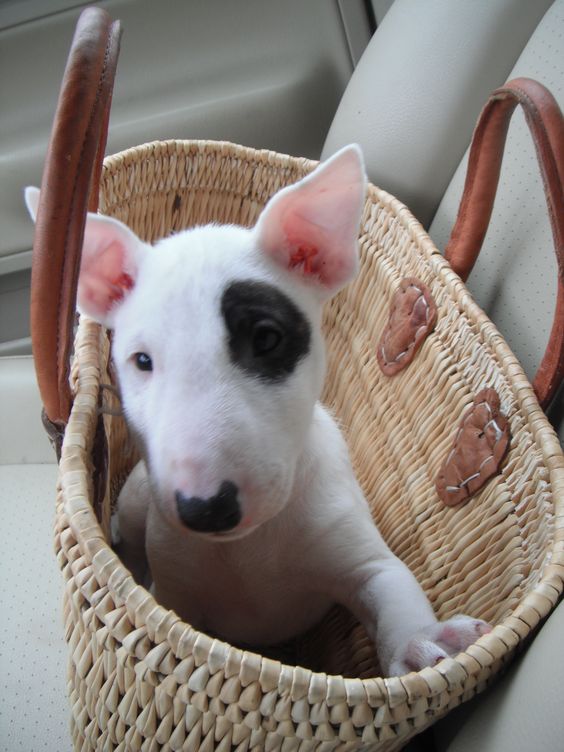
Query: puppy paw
{"type": "Point", "coordinates": [438, 641]}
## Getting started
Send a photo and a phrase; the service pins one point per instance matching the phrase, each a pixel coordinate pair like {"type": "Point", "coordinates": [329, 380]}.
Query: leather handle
{"type": "Point", "coordinates": [546, 124]}
{"type": "Point", "coordinates": [69, 188]}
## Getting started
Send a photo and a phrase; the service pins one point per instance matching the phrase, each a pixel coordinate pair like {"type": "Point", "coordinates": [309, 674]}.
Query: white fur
{"type": "Point", "coordinates": [306, 539]}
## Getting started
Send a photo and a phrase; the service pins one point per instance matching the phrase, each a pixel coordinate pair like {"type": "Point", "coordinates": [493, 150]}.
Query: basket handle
{"type": "Point", "coordinates": [546, 124]}
{"type": "Point", "coordinates": [69, 188]}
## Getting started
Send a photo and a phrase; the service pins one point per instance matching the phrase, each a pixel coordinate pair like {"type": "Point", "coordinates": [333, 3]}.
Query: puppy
{"type": "Point", "coordinates": [246, 503]}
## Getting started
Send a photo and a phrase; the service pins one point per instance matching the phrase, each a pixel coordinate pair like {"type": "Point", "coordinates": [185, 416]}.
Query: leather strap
{"type": "Point", "coordinates": [69, 187]}
{"type": "Point", "coordinates": [546, 124]}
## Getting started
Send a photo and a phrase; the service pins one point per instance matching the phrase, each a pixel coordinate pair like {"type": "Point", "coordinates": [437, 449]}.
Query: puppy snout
{"type": "Point", "coordinates": [215, 514]}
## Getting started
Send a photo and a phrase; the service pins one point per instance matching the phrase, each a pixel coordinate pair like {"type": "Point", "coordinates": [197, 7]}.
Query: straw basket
{"type": "Point", "coordinates": [139, 677]}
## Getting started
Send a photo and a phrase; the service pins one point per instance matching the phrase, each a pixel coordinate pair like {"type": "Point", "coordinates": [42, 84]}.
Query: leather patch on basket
{"type": "Point", "coordinates": [481, 443]}
{"type": "Point", "coordinates": [412, 317]}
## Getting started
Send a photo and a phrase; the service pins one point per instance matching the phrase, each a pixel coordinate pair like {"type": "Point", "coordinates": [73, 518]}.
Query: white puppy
{"type": "Point", "coordinates": [250, 514]}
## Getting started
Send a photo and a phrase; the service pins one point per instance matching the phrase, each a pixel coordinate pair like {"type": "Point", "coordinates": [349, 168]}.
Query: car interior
{"type": "Point", "coordinates": [404, 79]}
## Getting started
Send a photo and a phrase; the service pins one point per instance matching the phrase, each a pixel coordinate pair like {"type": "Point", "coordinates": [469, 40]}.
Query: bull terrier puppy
{"type": "Point", "coordinates": [245, 502]}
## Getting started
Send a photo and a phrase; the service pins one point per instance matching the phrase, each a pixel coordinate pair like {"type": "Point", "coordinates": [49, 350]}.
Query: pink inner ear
{"type": "Point", "coordinates": [312, 226]}
{"type": "Point", "coordinates": [305, 254]}
{"type": "Point", "coordinates": [315, 253]}
{"type": "Point", "coordinates": [304, 241]}
{"type": "Point", "coordinates": [313, 249]}
{"type": "Point", "coordinates": [119, 287]}
{"type": "Point", "coordinates": [105, 282]}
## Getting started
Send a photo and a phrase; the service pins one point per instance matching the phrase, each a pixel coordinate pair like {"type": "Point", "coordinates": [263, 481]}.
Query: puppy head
{"type": "Point", "coordinates": [217, 343]}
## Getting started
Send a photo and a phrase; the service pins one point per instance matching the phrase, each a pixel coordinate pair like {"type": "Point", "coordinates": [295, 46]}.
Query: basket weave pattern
{"type": "Point", "coordinates": [139, 677]}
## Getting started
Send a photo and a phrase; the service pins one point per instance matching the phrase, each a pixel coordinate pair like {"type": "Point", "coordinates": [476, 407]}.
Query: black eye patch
{"type": "Point", "coordinates": [267, 333]}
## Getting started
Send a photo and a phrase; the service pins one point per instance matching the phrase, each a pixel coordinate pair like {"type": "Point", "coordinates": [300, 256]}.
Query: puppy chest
{"type": "Point", "coordinates": [236, 594]}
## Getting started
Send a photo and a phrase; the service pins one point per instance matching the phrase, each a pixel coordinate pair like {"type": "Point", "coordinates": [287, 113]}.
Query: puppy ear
{"type": "Point", "coordinates": [31, 198]}
{"type": "Point", "coordinates": [312, 227]}
{"type": "Point", "coordinates": [111, 255]}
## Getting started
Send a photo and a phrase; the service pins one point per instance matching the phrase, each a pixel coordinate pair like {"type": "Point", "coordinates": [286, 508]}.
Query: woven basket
{"type": "Point", "coordinates": [139, 677]}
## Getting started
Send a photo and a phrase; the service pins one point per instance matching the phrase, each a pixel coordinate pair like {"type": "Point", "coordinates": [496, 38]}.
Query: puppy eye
{"type": "Point", "coordinates": [143, 361]}
{"type": "Point", "coordinates": [266, 336]}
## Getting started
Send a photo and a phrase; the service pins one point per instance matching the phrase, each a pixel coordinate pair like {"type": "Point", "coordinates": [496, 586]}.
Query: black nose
{"type": "Point", "coordinates": [214, 515]}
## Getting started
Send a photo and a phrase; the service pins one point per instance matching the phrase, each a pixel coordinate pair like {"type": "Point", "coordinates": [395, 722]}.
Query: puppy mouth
{"type": "Point", "coordinates": [228, 535]}
{"type": "Point", "coordinates": [241, 531]}
{"type": "Point", "coordinates": [244, 528]}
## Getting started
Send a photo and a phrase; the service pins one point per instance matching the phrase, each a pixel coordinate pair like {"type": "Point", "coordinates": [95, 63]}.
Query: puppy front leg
{"type": "Point", "coordinates": [132, 506]}
{"type": "Point", "coordinates": [395, 611]}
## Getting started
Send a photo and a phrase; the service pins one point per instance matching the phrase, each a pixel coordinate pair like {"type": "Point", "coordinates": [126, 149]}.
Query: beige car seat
{"type": "Point", "coordinates": [412, 104]}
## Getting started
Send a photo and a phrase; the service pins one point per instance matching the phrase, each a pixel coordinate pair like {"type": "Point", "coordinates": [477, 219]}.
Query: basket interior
{"type": "Point", "coordinates": [480, 558]}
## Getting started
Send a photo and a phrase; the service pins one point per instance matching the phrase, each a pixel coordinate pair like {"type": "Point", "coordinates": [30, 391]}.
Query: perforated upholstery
{"type": "Point", "coordinates": [515, 278]}
{"type": "Point", "coordinates": [33, 654]}
{"type": "Point", "coordinates": [22, 438]}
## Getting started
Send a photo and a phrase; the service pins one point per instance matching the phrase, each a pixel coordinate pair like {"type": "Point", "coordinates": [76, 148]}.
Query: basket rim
{"type": "Point", "coordinates": [166, 625]}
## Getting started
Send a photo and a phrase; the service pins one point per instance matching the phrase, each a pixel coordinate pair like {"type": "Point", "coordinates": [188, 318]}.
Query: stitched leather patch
{"type": "Point", "coordinates": [412, 317]}
{"type": "Point", "coordinates": [481, 443]}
